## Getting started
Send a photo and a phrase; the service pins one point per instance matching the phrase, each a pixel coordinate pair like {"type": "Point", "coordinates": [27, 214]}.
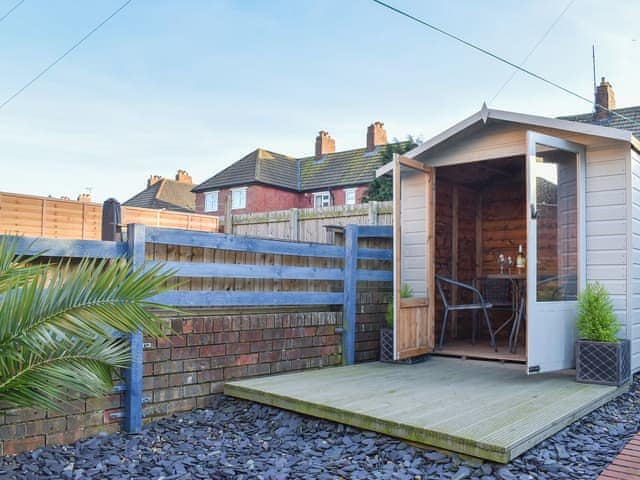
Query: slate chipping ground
{"type": "Point", "coordinates": [242, 440]}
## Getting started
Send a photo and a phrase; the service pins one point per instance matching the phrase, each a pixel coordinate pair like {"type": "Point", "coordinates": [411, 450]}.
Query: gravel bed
{"type": "Point", "coordinates": [242, 440]}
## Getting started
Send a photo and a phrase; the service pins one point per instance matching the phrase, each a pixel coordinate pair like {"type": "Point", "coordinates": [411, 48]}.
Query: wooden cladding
{"type": "Point", "coordinates": [35, 216]}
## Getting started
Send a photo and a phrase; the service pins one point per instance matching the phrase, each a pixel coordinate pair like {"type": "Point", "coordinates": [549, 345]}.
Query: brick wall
{"type": "Point", "coordinates": [371, 316]}
{"type": "Point", "coordinates": [204, 350]}
{"type": "Point", "coordinates": [183, 371]}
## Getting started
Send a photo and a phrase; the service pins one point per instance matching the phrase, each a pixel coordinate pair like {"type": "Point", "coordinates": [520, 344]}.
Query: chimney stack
{"type": "Point", "coordinates": [606, 98]}
{"type": "Point", "coordinates": [376, 135]}
{"type": "Point", "coordinates": [153, 179]}
{"type": "Point", "coordinates": [183, 177]}
{"type": "Point", "coordinates": [324, 144]}
{"type": "Point", "coordinates": [84, 198]}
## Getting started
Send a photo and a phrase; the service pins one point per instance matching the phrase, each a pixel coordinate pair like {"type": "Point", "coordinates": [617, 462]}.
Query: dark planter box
{"type": "Point", "coordinates": [604, 363]}
{"type": "Point", "coordinates": [386, 344]}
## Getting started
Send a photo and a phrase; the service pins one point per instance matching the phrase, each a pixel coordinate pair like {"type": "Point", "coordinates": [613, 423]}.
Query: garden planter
{"type": "Point", "coordinates": [386, 344]}
{"type": "Point", "coordinates": [605, 363]}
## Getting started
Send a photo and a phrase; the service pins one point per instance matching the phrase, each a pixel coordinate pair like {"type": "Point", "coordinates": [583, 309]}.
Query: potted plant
{"type": "Point", "coordinates": [386, 334]}
{"type": "Point", "coordinates": [601, 357]}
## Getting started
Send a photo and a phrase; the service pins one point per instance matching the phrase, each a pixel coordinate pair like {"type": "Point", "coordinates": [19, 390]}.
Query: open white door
{"type": "Point", "coordinates": [413, 246]}
{"type": "Point", "coordinates": [555, 250]}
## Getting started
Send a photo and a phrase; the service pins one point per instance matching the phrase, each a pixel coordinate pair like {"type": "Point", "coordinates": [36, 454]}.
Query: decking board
{"type": "Point", "coordinates": [482, 409]}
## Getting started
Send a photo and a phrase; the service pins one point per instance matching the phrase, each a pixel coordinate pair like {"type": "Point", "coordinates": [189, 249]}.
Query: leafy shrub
{"type": "Point", "coordinates": [596, 320]}
{"type": "Point", "coordinates": [405, 292]}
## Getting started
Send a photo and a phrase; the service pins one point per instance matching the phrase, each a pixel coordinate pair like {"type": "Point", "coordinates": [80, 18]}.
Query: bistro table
{"type": "Point", "coordinates": [519, 302]}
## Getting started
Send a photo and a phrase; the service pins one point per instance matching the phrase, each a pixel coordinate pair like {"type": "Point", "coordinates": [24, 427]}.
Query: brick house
{"type": "Point", "coordinates": [265, 181]}
{"type": "Point", "coordinates": [166, 194]}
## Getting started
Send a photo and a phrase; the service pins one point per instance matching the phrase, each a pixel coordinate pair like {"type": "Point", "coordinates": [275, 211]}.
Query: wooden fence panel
{"type": "Point", "coordinates": [309, 224]}
{"type": "Point", "coordinates": [35, 216]}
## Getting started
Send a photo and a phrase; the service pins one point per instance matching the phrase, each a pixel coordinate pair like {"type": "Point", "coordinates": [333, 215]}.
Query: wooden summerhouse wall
{"type": "Point", "coordinates": [612, 206]}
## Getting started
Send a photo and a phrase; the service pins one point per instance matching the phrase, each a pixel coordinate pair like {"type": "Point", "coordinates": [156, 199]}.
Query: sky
{"type": "Point", "coordinates": [196, 85]}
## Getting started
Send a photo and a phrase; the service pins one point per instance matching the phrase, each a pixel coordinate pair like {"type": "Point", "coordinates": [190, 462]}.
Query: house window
{"type": "Point", "coordinates": [349, 196]}
{"type": "Point", "coordinates": [239, 198]}
{"type": "Point", "coordinates": [321, 199]}
{"type": "Point", "coordinates": [211, 201]}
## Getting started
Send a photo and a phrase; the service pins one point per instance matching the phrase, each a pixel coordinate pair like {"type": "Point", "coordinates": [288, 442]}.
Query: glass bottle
{"type": "Point", "coordinates": [520, 260]}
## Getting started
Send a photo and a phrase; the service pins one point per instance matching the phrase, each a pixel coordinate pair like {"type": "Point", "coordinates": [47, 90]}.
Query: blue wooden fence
{"type": "Point", "coordinates": [139, 236]}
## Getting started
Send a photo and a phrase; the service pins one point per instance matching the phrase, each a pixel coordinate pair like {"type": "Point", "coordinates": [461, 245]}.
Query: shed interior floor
{"type": "Point", "coordinates": [480, 214]}
{"type": "Point", "coordinates": [464, 349]}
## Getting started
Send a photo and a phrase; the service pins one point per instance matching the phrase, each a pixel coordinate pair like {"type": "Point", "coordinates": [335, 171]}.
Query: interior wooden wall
{"type": "Point", "coordinates": [474, 224]}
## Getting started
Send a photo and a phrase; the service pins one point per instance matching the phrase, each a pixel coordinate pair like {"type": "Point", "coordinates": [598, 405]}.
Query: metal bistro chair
{"type": "Point", "coordinates": [479, 303]}
{"type": "Point", "coordinates": [501, 293]}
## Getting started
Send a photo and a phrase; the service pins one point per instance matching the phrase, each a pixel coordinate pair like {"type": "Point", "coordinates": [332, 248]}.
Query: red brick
{"type": "Point", "coordinates": [178, 379]}
{"type": "Point", "coordinates": [326, 330]}
{"type": "Point", "coordinates": [102, 403]}
{"type": "Point", "coordinates": [147, 369]}
{"type": "Point", "coordinates": [187, 326]}
{"type": "Point", "coordinates": [171, 366]}
{"type": "Point", "coordinates": [225, 361]}
{"type": "Point", "coordinates": [108, 418]}
{"type": "Point", "coordinates": [178, 341]}
{"type": "Point", "coordinates": [212, 350]}
{"type": "Point", "coordinates": [259, 369]}
{"type": "Point", "coordinates": [167, 394]}
{"type": "Point", "coordinates": [329, 350]}
{"type": "Point", "coordinates": [247, 359]}
{"type": "Point", "coordinates": [310, 352]}
{"type": "Point", "coordinates": [272, 333]}
{"type": "Point", "coordinates": [157, 355]}
{"type": "Point", "coordinates": [235, 372]}
{"type": "Point", "coordinates": [182, 353]}
{"type": "Point", "coordinates": [238, 348]}
{"type": "Point", "coordinates": [199, 339]}
{"type": "Point", "coordinates": [150, 383]}
{"type": "Point", "coordinates": [63, 438]}
{"type": "Point", "coordinates": [196, 390]}
{"type": "Point", "coordinates": [309, 331]}
{"type": "Point", "coordinates": [226, 337]}
{"type": "Point", "coordinates": [268, 357]}
{"type": "Point", "coordinates": [23, 444]}
{"type": "Point", "coordinates": [210, 375]}
{"type": "Point", "coordinates": [197, 364]}
{"type": "Point", "coordinates": [251, 336]}
{"type": "Point", "coordinates": [291, 354]}
{"type": "Point", "coordinates": [261, 346]}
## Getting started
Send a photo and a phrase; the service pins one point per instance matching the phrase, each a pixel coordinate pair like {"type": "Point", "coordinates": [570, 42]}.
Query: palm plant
{"type": "Point", "coordinates": [58, 325]}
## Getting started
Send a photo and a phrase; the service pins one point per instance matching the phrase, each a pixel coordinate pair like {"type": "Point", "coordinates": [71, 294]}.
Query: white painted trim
{"type": "Point", "coordinates": [383, 170]}
{"type": "Point", "coordinates": [534, 120]}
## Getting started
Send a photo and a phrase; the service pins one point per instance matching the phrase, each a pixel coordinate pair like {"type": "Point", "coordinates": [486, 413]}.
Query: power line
{"type": "Point", "coordinates": [501, 59]}
{"type": "Point", "coordinates": [67, 52]}
{"type": "Point", "coordinates": [11, 10]}
{"type": "Point", "coordinates": [535, 47]}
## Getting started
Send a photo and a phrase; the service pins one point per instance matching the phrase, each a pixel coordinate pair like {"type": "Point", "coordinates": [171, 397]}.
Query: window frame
{"type": "Point", "coordinates": [208, 195]}
{"type": "Point", "coordinates": [347, 192]}
{"type": "Point", "coordinates": [323, 195]}
{"type": "Point", "coordinates": [240, 190]}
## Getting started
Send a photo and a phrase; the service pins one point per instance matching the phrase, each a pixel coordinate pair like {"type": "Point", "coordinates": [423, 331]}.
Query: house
{"type": "Point", "coordinates": [266, 181]}
{"type": "Point", "coordinates": [166, 194]}
{"type": "Point", "coordinates": [565, 189]}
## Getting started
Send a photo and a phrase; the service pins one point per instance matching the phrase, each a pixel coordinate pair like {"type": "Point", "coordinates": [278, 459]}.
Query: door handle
{"type": "Point", "coordinates": [534, 212]}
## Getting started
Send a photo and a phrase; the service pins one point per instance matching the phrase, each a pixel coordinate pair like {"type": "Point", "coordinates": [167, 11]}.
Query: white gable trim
{"type": "Point", "coordinates": [486, 113]}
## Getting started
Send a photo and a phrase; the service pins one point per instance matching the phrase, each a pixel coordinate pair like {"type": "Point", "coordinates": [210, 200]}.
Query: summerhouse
{"type": "Point", "coordinates": [564, 194]}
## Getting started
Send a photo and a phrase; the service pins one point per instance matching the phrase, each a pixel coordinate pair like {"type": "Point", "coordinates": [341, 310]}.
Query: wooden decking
{"type": "Point", "coordinates": [482, 409]}
{"type": "Point", "coordinates": [626, 466]}
{"type": "Point", "coordinates": [481, 350]}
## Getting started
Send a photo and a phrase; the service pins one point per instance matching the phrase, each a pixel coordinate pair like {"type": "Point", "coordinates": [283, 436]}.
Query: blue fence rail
{"type": "Point", "coordinates": [139, 236]}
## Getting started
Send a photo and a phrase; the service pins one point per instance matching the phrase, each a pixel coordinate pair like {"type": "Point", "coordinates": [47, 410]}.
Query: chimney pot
{"type": "Point", "coordinates": [605, 98]}
{"type": "Point", "coordinates": [84, 198]}
{"type": "Point", "coordinates": [183, 177]}
{"type": "Point", "coordinates": [376, 135]}
{"type": "Point", "coordinates": [324, 144]}
{"type": "Point", "coordinates": [153, 179]}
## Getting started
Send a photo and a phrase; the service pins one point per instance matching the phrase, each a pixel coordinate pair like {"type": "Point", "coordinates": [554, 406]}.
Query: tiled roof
{"type": "Point", "coordinates": [350, 167]}
{"type": "Point", "coordinates": [167, 194]}
{"type": "Point", "coordinates": [631, 122]}
{"type": "Point", "coordinates": [259, 166]}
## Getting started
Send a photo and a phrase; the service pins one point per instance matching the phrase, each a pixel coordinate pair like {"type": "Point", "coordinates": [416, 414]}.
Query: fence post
{"type": "Point", "coordinates": [228, 216]}
{"type": "Point", "coordinates": [350, 293]}
{"type": "Point", "coordinates": [373, 212]}
{"type": "Point", "coordinates": [136, 238]}
{"type": "Point", "coordinates": [293, 224]}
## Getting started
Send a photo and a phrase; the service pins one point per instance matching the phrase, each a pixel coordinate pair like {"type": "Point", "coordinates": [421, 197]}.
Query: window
{"type": "Point", "coordinates": [239, 198]}
{"type": "Point", "coordinates": [211, 201]}
{"type": "Point", "coordinates": [349, 196]}
{"type": "Point", "coordinates": [321, 199]}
